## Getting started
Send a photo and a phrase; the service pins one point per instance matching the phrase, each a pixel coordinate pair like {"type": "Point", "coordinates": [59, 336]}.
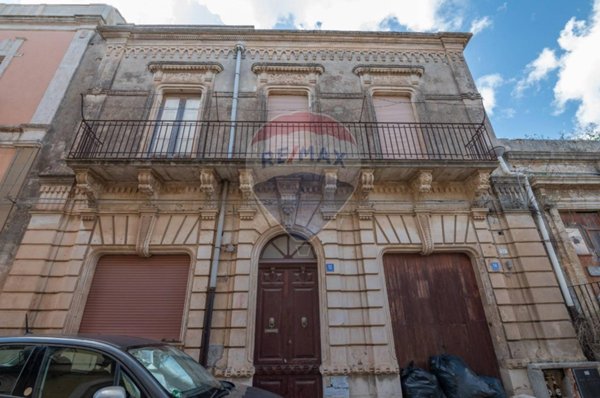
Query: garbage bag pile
{"type": "Point", "coordinates": [450, 377]}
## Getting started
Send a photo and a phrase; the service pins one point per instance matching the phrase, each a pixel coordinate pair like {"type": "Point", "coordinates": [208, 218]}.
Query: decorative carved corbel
{"type": "Point", "coordinates": [287, 189]}
{"type": "Point", "coordinates": [149, 183]}
{"type": "Point", "coordinates": [366, 186]}
{"type": "Point", "coordinates": [424, 229]}
{"type": "Point", "coordinates": [367, 183]}
{"type": "Point", "coordinates": [479, 184]}
{"type": "Point", "coordinates": [89, 185]}
{"type": "Point", "coordinates": [421, 183]}
{"type": "Point", "coordinates": [146, 227]}
{"type": "Point", "coordinates": [247, 209]}
{"type": "Point", "coordinates": [328, 210]}
{"type": "Point", "coordinates": [208, 186]}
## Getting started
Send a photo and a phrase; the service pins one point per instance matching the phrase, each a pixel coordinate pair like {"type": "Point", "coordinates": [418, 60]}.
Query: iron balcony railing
{"type": "Point", "coordinates": [280, 141]}
{"type": "Point", "coordinates": [587, 301]}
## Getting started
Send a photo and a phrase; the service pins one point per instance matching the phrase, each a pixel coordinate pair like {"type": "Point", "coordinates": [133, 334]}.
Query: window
{"type": "Point", "coordinates": [75, 373]}
{"type": "Point", "coordinates": [175, 131]}
{"type": "Point", "coordinates": [399, 135]}
{"type": "Point", "coordinates": [12, 362]}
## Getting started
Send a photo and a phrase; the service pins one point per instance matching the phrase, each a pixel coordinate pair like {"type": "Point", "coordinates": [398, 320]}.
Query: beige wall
{"type": "Point", "coordinates": [26, 79]}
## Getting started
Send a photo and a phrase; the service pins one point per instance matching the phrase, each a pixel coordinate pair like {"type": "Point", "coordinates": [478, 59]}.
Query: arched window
{"type": "Point", "coordinates": [288, 247]}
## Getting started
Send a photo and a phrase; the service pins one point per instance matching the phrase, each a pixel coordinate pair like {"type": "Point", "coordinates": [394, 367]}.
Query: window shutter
{"type": "Point", "coordinates": [393, 108]}
{"type": "Point", "coordinates": [397, 138]}
{"type": "Point", "coordinates": [283, 104]}
{"type": "Point", "coordinates": [137, 296]}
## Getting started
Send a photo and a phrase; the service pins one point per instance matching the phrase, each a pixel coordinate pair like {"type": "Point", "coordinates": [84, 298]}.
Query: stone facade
{"type": "Point", "coordinates": [87, 208]}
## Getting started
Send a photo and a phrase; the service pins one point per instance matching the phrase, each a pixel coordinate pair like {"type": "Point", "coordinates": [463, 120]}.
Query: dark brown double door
{"type": "Point", "coordinates": [436, 308]}
{"type": "Point", "coordinates": [287, 351]}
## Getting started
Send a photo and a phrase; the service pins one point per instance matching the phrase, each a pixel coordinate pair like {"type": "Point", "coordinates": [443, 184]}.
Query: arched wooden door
{"type": "Point", "coordinates": [287, 350]}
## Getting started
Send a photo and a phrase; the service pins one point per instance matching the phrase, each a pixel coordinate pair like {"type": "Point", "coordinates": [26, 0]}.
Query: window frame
{"type": "Point", "coordinates": [173, 132]}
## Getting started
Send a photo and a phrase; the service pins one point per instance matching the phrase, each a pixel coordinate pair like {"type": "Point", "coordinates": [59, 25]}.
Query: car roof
{"type": "Point", "coordinates": [121, 342]}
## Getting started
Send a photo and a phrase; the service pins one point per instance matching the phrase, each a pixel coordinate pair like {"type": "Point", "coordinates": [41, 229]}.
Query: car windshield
{"type": "Point", "coordinates": [177, 372]}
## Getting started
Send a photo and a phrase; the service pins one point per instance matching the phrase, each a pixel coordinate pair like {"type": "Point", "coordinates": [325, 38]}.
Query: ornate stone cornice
{"type": "Point", "coordinates": [194, 52]}
{"type": "Point", "coordinates": [171, 67]}
{"type": "Point", "coordinates": [360, 70]}
{"type": "Point", "coordinates": [184, 72]}
{"type": "Point", "coordinates": [389, 75]}
{"type": "Point", "coordinates": [511, 193]}
{"type": "Point", "coordinates": [236, 33]}
{"type": "Point", "coordinates": [287, 68]}
{"type": "Point", "coordinates": [53, 195]}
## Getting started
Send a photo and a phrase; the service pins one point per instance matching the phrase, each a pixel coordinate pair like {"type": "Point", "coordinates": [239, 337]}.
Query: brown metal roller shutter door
{"type": "Point", "coordinates": [137, 296]}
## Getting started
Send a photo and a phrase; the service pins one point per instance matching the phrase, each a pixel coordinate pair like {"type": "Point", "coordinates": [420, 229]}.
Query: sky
{"type": "Point", "coordinates": [535, 62]}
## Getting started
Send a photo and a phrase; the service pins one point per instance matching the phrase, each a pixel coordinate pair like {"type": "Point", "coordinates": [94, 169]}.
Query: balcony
{"type": "Point", "coordinates": [396, 149]}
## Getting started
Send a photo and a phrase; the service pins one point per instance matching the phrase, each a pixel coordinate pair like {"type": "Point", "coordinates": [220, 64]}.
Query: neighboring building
{"type": "Point", "coordinates": [359, 228]}
{"type": "Point", "coordinates": [565, 176]}
{"type": "Point", "coordinates": [41, 47]}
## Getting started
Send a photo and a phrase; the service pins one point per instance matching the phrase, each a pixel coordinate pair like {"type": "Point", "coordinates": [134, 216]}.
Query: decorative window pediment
{"type": "Point", "coordinates": [287, 74]}
{"type": "Point", "coordinates": [184, 72]}
{"type": "Point", "coordinates": [389, 75]}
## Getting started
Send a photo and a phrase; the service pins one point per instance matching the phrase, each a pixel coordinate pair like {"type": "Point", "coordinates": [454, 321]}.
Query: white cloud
{"type": "Point", "coordinates": [537, 70]}
{"type": "Point", "coordinates": [190, 12]}
{"type": "Point", "coordinates": [480, 24]}
{"type": "Point", "coordinates": [423, 15]}
{"type": "Point", "coordinates": [577, 62]}
{"type": "Point", "coordinates": [578, 78]}
{"type": "Point", "coordinates": [487, 86]}
{"type": "Point", "coordinates": [335, 14]}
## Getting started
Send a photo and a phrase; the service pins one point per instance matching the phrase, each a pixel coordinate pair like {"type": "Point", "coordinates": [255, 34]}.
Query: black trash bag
{"type": "Point", "coordinates": [418, 383]}
{"type": "Point", "coordinates": [495, 385]}
{"type": "Point", "coordinates": [457, 380]}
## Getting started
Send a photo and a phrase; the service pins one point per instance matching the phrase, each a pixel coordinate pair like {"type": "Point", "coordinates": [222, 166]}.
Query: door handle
{"type": "Point", "coordinates": [271, 323]}
{"type": "Point", "coordinates": [304, 322]}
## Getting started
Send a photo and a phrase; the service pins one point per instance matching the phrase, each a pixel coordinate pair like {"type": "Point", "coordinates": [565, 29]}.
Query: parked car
{"type": "Point", "coordinates": [107, 367]}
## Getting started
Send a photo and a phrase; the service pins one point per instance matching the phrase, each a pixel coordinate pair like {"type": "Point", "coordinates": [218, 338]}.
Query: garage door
{"type": "Point", "coordinates": [436, 308]}
{"type": "Point", "coordinates": [137, 296]}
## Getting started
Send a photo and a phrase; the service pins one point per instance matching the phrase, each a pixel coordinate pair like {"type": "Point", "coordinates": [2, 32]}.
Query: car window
{"type": "Point", "coordinates": [12, 362]}
{"type": "Point", "coordinates": [176, 371]}
{"type": "Point", "coordinates": [133, 391]}
{"type": "Point", "coordinates": [75, 373]}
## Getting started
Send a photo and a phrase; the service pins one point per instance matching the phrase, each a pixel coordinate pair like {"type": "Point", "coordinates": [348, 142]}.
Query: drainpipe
{"type": "Point", "coordinates": [214, 267]}
{"type": "Point", "coordinates": [558, 271]}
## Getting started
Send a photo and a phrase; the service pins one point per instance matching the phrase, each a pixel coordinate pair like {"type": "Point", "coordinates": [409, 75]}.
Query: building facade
{"type": "Point", "coordinates": [321, 202]}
